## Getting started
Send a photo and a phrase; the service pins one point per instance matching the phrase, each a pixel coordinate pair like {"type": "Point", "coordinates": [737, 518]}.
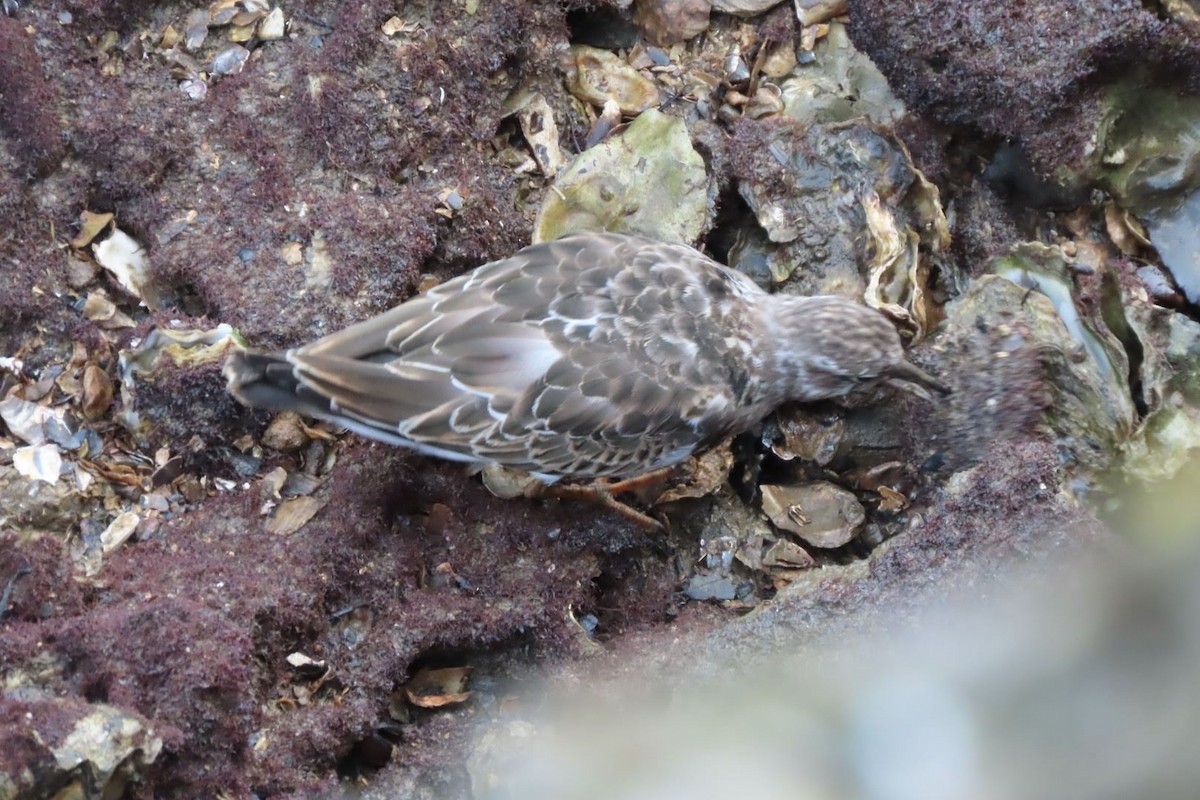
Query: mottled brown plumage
{"type": "Point", "coordinates": [597, 355]}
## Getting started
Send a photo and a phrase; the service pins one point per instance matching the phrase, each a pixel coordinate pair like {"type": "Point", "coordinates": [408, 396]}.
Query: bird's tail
{"type": "Point", "coordinates": [268, 380]}
{"type": "Point", "coordinates": [272, 381]}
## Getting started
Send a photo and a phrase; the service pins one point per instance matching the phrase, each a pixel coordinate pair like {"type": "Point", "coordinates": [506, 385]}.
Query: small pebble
{"type": "Point", "coordinates": [195, 29]}
{"type": "Point", "coordinates": [194, 88]}
{"type": "Point", "coordinates": [658, 56]}
{"type": "Point", "coordinates": [285, 433]}
{"type": "Point", "coordinates": [230, 60]}
{"type": "Point", "coordinates": [97, 392]}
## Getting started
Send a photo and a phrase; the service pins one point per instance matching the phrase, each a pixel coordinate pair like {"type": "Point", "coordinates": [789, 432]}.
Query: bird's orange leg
{"type": "Point", "coordinates": [639, 482]}
{"type": "Point", "coordinates": [603, 494]}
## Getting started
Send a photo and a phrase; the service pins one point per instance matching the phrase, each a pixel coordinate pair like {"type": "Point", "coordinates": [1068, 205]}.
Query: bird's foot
{"type": "Point", "coordinates": [604, 494]}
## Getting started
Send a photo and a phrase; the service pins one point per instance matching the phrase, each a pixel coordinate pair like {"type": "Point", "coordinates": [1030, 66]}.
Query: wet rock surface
{"type": "Point", "coordinates": [197, 599]}
{"type": "Point", "coordinates": [1038, 77]}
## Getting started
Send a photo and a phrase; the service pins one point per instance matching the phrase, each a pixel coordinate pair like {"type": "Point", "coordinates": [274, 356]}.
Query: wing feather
{"type": "Point", "coordinates": [563, 358]}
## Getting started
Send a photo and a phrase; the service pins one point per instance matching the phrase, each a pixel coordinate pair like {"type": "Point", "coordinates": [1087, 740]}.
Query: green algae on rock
{"type": "Point", "coordinates": [1036, 77]}
{"type": "Point", "coordinates": [1119, 374]}
{"type": "Point", "coordinates": [1089, 407]}
{"type": "Point", "coordinates": [1047, 269]}
{"type": "Point", "coordinates": [151, 393]}
{"type": "Point", "coordinates": [597, 76]}
{"type": "Point", "coordinates": [81, 749]}
{"type": "Point", "coordinates": [839, 84]}
{"type": "Point", "coordinates": [1169, 437]}
{"type": "Point", "coordinates": [184, 347]}
{"type": "Point", "coordinates": [649, 181]}
{"type": "Point", "coordinates": [1150, 160]}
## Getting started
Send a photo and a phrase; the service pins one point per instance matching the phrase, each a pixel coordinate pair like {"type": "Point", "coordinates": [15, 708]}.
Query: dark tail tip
{"type": "Point", "coordinates": [262, 380]}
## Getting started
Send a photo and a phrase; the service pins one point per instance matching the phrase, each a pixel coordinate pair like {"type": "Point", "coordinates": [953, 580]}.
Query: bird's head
{"type": "Point", "coordinates": [834, 346]}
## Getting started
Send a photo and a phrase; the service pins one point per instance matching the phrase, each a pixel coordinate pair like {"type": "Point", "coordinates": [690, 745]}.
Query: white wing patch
{"type": "Point", "coordinates": [531, 361]}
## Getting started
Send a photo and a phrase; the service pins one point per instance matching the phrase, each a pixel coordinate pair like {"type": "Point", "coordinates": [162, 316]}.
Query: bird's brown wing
{"type": "Point", "coordinates": [590, 355]}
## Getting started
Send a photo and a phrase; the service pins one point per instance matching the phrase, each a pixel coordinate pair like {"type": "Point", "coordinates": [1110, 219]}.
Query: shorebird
{"type": "Point", "coordinates": [598, 355]}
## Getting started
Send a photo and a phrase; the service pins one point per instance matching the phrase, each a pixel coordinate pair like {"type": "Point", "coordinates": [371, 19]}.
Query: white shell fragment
{"type": "Point", "coordinates": [318, 264]}
{"type": "Point", "coordinates": [195, 30]}
{"type": "Point", "coordinates": [41, 463]}
{"type": "Point", "coordinates": [272, 26]}
{"type": "Point", "coordinates": [125, 258]}
{"type": "Point", "coordinates": [119, 531]}
{"type": "Point", "coordinates": [537, 123]}
{"type": "Point", "coordinates": [25, 420]}
{"type": "Point", "coordinates": [301, 661]}
{"type": "Point", "coordinates": [507, 483]}
{"type": "Point", "coordinates": [230, 60]}
{"type": "Point", "coordinates": [814, 12]}
{"type": "Point", "coordinates": [106, 740]}
{"type": "Point", "coordinates": [194, 88]}
{"type": "Point", "coordinates": [293, 514]}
